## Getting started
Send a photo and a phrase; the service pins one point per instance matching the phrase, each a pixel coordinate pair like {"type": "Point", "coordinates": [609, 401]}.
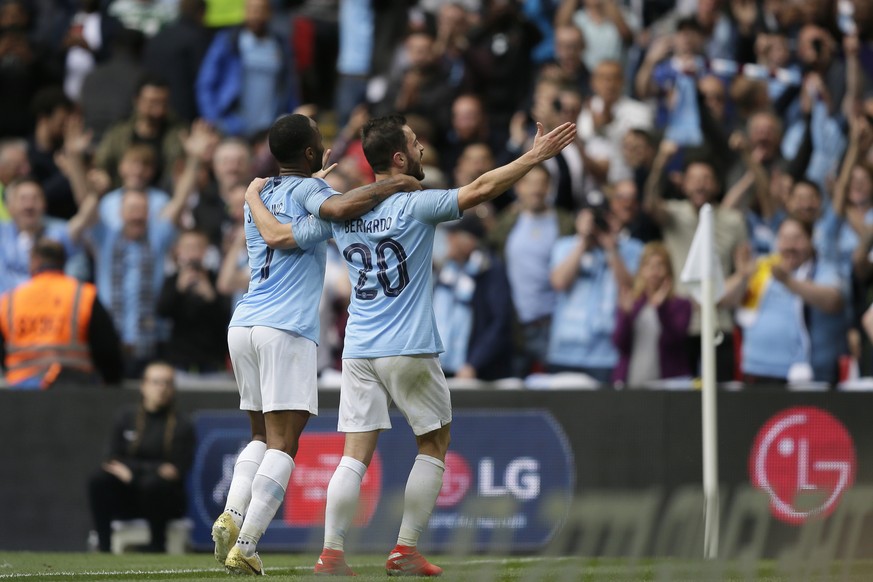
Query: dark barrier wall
{"type": "Point", "coordinates": [620, 441]}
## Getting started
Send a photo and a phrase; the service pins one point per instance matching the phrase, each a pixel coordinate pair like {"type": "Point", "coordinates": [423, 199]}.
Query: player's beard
{"type": "Point", "coordinates": [415, 169]}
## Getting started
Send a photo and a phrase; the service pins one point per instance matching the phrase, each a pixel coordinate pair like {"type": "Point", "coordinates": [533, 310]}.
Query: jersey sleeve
{"type": "Point", "coordinates": [309, 231]}
{"type": "Point", "coordinates": [434, 206]}
{"type": "Point", "coordinates": [311, 194]}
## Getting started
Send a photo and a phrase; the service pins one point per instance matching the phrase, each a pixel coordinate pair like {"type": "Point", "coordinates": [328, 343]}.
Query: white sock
{"type": "Point", "coordinates": [268, 492]}
{"type": "Point", "coordinates": [240, 493]}
{"type": "Point", "coordinates": [422, 489]}
{"type": "Point", "coordinates": [342, 501]}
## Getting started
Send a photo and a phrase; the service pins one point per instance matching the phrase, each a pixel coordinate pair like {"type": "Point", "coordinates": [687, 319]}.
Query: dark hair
{"type": "Point", "coordinates": [50, 254]}
{"type": "Point", "coordinates": [805, 182]}
{"type": "Point", "coordinates": [689, 23]}
{"type": "Point", "coordinates": [47, 100]}
{"type": "Point", "coordinates": [150, 79]}
{"type": "Point", "coordinates": [650, 138]}
{"type": "Point", "coordinates": [381, 138]}
{"type": "Point", "coordinates": [289, 137]}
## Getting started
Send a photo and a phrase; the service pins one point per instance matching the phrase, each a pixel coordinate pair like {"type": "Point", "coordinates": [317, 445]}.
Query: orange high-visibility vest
{"type": "Point", "coordinates": [45, 325]}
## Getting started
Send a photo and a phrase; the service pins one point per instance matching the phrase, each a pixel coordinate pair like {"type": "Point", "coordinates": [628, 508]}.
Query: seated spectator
{"type": "Point", "coordinates": [792, 312]}
{"type": "Point", "coordinates": [569, 65]}
{"type": "Point", "coordinates": [523, 237]}
{"type": "Point", "coordinates": [26, 205]}
{"type": "Point", "coordinates": [199, 314]}
{"type": "Point", "coordinates": [472, 305]}
{"type": "Point", "coordinates": [150, 450]}
{"type": "Point", "coordinates": [652, 327]}
{"type": "Point", "coordinates": [151, 124]}
{"type": "Point", "coordinates": [247, 78]}
{"type": "Point", "coordinates": [588, 269]}
{"type": "Point", "coordinates": [53, 329]}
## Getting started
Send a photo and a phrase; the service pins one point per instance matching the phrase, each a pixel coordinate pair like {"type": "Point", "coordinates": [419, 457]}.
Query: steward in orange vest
{"type": "Point", "coordinates": [54, 330]}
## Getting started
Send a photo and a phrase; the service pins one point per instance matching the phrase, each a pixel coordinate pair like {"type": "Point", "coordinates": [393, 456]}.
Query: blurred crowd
{"type": "Point", "coordinates": [129, 130]}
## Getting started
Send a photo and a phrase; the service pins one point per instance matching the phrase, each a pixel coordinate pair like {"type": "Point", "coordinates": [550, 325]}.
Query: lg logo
{"type": "Point", "coordinates": [520, 478]}
{"type": "Point", "coordinates": [803, 450]}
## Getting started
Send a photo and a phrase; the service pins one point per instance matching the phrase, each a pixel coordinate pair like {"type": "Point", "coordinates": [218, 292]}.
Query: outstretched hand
{"type": "Point", "coordinates": [549, 145]}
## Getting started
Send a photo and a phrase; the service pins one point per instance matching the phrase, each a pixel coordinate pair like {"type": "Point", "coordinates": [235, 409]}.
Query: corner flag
{"type": "Point", "coordinates": [703, 276]}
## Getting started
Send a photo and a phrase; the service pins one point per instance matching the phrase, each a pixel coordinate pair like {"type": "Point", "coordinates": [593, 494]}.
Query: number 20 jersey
{"type": "Point", "coordinates": [285, 285]}
{"type": "Point", "coordinates": [389, 254]}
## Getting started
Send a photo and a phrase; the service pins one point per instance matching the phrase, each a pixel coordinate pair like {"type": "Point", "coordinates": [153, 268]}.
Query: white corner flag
{"type": "Point", "coordinates": [702, 261]}
{"type": "Point", "coordinates": [703, 275]}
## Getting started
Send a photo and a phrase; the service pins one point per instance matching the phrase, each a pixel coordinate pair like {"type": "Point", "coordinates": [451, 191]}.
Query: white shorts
{"type": "Point", "coordinates": [415, 383]}
{"type": "Point", "coordinates": [275, 369]}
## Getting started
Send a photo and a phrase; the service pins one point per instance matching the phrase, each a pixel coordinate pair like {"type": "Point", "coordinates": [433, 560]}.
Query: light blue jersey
{"type": "Point", "coordinates": [389, 254]}
{"type": "Point", "coordinates": [286, 285]}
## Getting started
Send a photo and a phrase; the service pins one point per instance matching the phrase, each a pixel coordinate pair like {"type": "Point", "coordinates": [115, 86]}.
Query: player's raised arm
{"type": "Point", "coordinates": [355, 203]}
{"type": "Point", "coordinates": [494, 183]}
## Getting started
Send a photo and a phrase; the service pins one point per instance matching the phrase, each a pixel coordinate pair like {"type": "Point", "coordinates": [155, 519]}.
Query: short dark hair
{"type": "Point", "coordinates": [289, 137]}
{"type": "Point", "coordinates": [381, 138]}
{"type": "Point", "coordinates": [808, 229]}
{"type": "Point", "coordinates": [49, 99]}
{"type": "Point", "coordinates": [50, 254]}
{"type": "Point", "coordinates": [805, 182]}
{"type": "Point", "coordinates": [150, 79]}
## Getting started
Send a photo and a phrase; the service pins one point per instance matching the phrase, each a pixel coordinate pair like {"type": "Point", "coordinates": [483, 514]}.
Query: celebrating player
{"type": "Point", "coordinates": [272, 335]}
{"type": "Point", "coordinates": [391, 343]}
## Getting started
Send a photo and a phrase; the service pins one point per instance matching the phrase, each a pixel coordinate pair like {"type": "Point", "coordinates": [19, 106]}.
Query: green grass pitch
{"type": "Point", "coordinates": [201, 567]}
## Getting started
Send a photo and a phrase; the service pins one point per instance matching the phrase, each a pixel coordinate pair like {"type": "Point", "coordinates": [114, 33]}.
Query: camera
{"type": "Point", "coordinates": [600, 219]}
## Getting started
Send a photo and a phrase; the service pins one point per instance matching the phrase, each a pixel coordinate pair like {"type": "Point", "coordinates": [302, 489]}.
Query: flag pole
{"type": "Point", "coordinates": [708, 389]}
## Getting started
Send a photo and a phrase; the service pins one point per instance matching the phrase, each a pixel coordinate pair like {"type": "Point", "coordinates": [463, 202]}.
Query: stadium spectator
{"type": "Point", "coordinates": [608, 30]}
{"type": "Point", "coordinates": [109, 90]}
{"type": "Point", "coordinates": [587, 271]}
{"type": "Point", "coordinates": [231, 167]}
{"type": "Point", "coordinates": [652, 327]}
{"type": "Point", "coordinates": [53, 329]}
{"type": "Point", "coordinates": [472, 305]}
{"type": "Point", "coordinates": [792, 312]}
{"type": "Point", "coordinates": [357, 27]}
{"type": "Point", "coordinates": [13, 164]}
{"type": "Point", "coordinates": [198, 313]}
{"type": "Point", "coordinates": [422, 86]}
{"type": "Point", "coordinates": [150, 450]}
{"type": "Point", "coordinates": [568, 65]}
{"type": "Point", "coordinates": [26, 204]}
{"type": "Point", "coordinates": [146, 16]}
{"type": "Point", "coordinates": [247, 76]}
{"type": "Point", "coordinates": [609, 114]}
{"type": "Point", "coordinates": [25, 68]}
{"type": "Point", "coordinates": [624, 208]}
{"type": "Point", "coordinates": [469, 125]}
{"type": "Point", "coordinates": [176, 53]}
{"type": "Point", "coordinates": [52, 109]}
{"type": "Point", "coordinates": [87, 40]}
{"type": "Point", "coordinates": [151, 124]}
{"type": "Point", "coordinates": [523, 237]}
{"type": "Point", "coordinates": [129, 258]}
{"type": "Point", "coordinates": [678, 220]}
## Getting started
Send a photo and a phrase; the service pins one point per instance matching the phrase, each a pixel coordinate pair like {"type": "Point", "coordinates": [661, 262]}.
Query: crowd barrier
{"type": "Point", "coordinates": [569, 472]}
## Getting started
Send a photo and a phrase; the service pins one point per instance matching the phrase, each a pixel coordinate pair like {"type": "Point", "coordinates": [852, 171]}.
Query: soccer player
{"type": "Point", "coordinates": [273, 333]}
{"type": "Point", "coordinates": [391, 341]}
